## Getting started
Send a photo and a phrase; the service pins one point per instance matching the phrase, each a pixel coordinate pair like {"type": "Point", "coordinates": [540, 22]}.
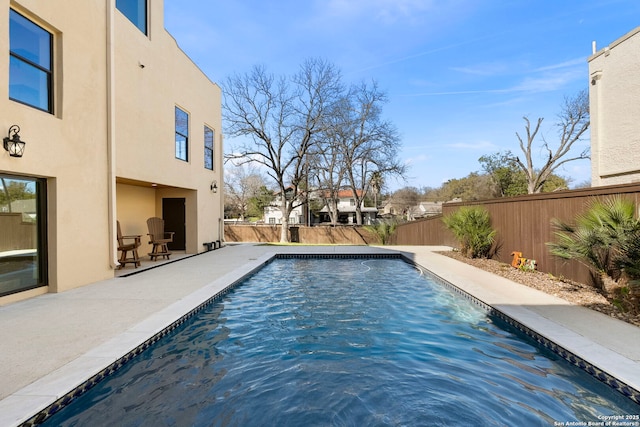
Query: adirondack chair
{"type": "Point", "coordinates": [159, 238]}
{"type": "Point", "coordinates": [128, 244]}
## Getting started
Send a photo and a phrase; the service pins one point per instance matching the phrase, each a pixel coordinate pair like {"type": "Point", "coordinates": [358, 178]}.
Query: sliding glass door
{"type": "Point", "coordinates": [22, 233]}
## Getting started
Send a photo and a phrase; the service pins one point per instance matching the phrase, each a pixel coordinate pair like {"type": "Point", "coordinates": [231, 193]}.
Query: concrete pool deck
{"type": "Point", "coordinates": [55, 342]}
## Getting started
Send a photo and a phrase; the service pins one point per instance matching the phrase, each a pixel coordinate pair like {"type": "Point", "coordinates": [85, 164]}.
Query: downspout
{"type": "Point", "coordinates": [221, 210]}
{"type": "Point", "coordinates": [111, 131]}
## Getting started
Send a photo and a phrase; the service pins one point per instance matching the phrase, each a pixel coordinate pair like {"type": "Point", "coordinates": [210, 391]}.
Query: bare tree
{"type": "Point", "coordinates": [369, 144]}
{"type": "Point", "coordinates": [406, 198]}
{"type": "Point", "coordinates": [573, 122]}
{"type": "Point", "coordinates": [240, 185]}
{"type": "Point", "coordinates": [328, 166]}
{"type": "Point", "coordinates": [280, 117]}
{"type": "Point", "coordinates": [327, 170]}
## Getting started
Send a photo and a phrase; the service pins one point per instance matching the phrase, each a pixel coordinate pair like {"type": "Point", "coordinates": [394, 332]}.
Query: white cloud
{"type": "Point", "coordinates": [578, 62]}
{"type": "Point", "coordinates": [549, 82]}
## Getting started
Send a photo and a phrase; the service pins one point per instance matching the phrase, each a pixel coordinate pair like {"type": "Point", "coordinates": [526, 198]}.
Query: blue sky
{"type": "Point", "coordinates": [459, 74]}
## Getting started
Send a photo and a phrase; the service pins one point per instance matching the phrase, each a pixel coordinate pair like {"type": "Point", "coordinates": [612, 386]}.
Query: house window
{"type": "Point", "coordinates": [352, 202]}
{"type": "Point", "coordinates": [182, 135]}
{"type": "Point", "coordinates": [208, 148]}
{"type": "Point", "coordinates": [23, 230]}
{"type": "Point", "coordinates": [135, 11]}
{"type": "Point", "coordinates": [272, 220]}
{"type": "Point", "coordinates": [30, 63]}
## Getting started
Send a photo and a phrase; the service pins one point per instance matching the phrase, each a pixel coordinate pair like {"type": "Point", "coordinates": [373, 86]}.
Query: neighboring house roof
{"type": "Point", "coordinates": [421, 210]}
{"type": "Point", "coordinates": [424, 209]}
{"type": "Point", "coordinates": [343, 194]}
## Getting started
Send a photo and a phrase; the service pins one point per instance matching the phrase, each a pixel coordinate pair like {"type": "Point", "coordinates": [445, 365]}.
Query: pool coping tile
{"type": "Point", "coordinates": [69, 377]}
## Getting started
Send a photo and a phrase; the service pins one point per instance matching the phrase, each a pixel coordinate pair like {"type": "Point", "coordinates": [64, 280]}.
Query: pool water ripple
{"type": "Point", "coordinates": [344, 342]}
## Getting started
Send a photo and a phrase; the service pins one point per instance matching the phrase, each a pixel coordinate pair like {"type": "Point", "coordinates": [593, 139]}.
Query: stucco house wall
{"type": "Point", "coordinates": [67, 147]}
{"type": "Point", "coordinates": [614, 93]}
{"type": "Point", "coordinates": [107, 152]}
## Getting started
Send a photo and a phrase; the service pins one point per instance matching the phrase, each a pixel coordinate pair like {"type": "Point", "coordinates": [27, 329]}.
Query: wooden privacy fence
{"type": "Point", "coordinates": [340, 235]}
{"type": "Point", "coordinates": [523, 224]}
{"type": "Point", "coordinates": [15, 233]}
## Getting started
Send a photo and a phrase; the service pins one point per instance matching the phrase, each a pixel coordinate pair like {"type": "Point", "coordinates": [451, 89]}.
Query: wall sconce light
{"type": "Point", "coordinates": [12, 144]}
{"type": "Point", "coordinates": [214, 186]}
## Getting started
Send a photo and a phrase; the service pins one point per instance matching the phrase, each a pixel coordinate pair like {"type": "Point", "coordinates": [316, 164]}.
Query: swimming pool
{"type": "Point", "coordinates": [344, 342]}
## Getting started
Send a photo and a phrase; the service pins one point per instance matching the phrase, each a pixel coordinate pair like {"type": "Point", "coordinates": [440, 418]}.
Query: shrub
{"type": "Point", "coordinates": [382, 230]}
{"type": "Point", "coordinates": [472, 228]}
{"type": "Point", "coordinates": [629, 260]}
{"type": "Point", "coordinates": [606, 239]}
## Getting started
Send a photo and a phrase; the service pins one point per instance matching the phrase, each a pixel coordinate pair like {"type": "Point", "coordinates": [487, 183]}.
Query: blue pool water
{"type": "Point", "coordinates": [353, 342]}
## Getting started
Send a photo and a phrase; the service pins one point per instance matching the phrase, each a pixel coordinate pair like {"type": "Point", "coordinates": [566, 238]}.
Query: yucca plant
{"type": "Point", "coordinates": [601, 238]}
{"type": "Point", "coordinates": [629, 261]}
{"type": "Point", "coordinates": [471, 225]}
{"type": "Point", "coordinates": [382, 230]}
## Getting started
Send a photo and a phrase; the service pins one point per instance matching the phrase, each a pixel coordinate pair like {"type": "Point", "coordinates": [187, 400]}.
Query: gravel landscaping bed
{"type": "Point", "coordinates": [573, 292]}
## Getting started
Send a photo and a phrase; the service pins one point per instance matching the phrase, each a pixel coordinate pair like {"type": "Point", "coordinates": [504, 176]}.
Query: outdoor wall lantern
{"type": "Point", "coordinates": [214, 186]}
{"type": "Point", "coordinates": [12, 144]}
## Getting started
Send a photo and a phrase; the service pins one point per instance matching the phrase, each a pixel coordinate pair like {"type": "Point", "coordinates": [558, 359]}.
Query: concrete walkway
{"type": "Point", "coordinates": [55, 342]}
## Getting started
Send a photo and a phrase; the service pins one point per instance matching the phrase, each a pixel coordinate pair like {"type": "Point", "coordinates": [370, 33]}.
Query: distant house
{"type": "Point", "coordinates": [614, 101]}
{"type": "Point", "coordinates": [273, 215]}
{"type": "Point", "coordinates": [273, 212]}
{"type": "Point", "coordinates": [391, 209]}
{"type": "Point", "coordinates": [346, 211]}
{"type": "Point", "coordinates": [426, 209]}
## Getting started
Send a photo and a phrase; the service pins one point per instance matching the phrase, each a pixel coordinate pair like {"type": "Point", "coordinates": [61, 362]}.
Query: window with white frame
{"type": "Point", "coordinates": [30, 63]}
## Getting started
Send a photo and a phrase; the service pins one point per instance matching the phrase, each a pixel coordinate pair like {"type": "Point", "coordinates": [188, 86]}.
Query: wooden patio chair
{"type": "Point", "coordinates": [159, 238]}
{"type": "Point", "coordinates": [128, 244]}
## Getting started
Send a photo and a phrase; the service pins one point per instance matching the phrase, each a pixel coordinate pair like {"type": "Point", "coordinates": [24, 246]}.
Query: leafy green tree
{"type": "Point", "coordinates": [471, 225]}
{"type": "Point", "coordinates": [259, 201]}
{"type": "Point", "coordinates": [474, 186]}
{"type": "Point", "coordinates": [13, 190]}
{"type": "Point", "coordinates": [555, 183]}
{"type": "Point", "coordinates": [510, 180]}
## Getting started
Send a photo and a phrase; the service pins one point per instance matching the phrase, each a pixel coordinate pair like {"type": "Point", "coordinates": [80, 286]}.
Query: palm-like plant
{"type": "Point", "coordinates": [629, 261]}
{"type": "Point", "coordinates": [472, 227]}
{"type": "Point", "coordinates": [383, 230]}
{"type": "Point", "coordinates": [600, 237]}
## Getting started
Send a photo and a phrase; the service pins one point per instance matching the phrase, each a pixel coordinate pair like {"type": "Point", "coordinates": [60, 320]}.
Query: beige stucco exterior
{"type": "Point", "coordinates": [614, 92]}
{"type": "Point", "coordinates": [108, 150]}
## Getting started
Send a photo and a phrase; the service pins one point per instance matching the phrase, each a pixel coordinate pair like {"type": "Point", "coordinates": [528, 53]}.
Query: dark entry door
{"type": "Point", "coordinates": [173, 213]}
